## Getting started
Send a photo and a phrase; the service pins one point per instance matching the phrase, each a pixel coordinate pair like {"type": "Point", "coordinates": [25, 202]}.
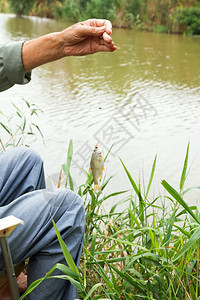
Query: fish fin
{"type": "Point", "coordinates": [90, 169]}
{"type": "Point", "coordinates": [101, 173]}
{"type": "Point", "coordinates": [99, 158]}
{"type": "Point", "coordinates": [97, 187]}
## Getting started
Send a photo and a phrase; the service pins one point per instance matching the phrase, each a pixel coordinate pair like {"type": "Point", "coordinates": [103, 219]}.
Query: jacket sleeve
{"type": "Point", "coordinates": [11, 66]}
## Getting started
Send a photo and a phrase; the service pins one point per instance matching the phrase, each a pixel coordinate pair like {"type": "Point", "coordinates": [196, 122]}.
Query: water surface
{"type": "Point", "coordinates": [144, 99]}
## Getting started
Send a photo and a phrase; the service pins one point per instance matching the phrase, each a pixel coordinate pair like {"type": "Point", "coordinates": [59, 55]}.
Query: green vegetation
{"type": "Point", "coordinates": [188, 19]}
{"type": "Point", "coordinates": [141, 248]}
{"type": "Point", "coordinates": [160, 16]}
{"type": "Point", "coordinates": [21, 7]}
{"type": "Point", "coordinates": [19, 127]}
{"type": "Point", "coordinates": [45, 8]}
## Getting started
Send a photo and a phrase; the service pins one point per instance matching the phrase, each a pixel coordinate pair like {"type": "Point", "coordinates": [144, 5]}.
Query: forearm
{"type": "Point", "coordinates": [18, 59]}
{"type": "Point", "coordinates": [83, 38]}
{"type": "Point", "coordinates": [42, 50]}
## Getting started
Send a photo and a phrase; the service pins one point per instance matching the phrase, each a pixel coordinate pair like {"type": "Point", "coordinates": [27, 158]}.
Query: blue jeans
{"type": "Point", "coordinates": [23, 194]}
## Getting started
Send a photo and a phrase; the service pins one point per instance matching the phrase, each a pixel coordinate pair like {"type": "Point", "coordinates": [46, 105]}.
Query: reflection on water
{"type": "Point", "coordinates": [145, 98]}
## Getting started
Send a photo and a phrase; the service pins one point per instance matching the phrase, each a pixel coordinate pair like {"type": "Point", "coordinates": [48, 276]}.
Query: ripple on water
{"type": "Point", "coordinates": [150, 86]}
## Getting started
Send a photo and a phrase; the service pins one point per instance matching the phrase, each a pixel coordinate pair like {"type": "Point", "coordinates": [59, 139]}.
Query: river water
{"type": "Point", "coordinates": [144, 99]}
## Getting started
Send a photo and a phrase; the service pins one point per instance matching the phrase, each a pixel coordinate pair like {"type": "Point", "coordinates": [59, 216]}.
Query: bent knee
{"type": "Point", "coordinates": [69, 200]}
{"type": "Point", "coordinates": [30, 155]}
{"type": "Point", "coordinates": [76, 201]}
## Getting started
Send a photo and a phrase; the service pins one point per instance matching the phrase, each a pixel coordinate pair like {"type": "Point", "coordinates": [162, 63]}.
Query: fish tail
{"type": "Point", "coordinates": [97, 187]}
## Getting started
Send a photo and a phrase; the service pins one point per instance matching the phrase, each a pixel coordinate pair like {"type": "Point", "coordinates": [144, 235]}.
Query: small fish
{"type": "Point", "coordinates": [97, 166]}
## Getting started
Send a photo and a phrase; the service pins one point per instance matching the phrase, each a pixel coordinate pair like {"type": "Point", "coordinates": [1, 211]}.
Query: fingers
{"type": "Point", "coordinates": [95, 27]}
{"type": "Point", "coordinates": [93, 34]}
{"type": "Point", "coordinates": [94, 31]}
{"type": "Point", "coordinates": [108, 27]}
{"type": "Point", "coordinates": [100, 23]}
{"type": "Point", "coordinates": [90, 30]}
{"type": "Point", "coordinates": [107, 38]}
{"type": "Point", "coordinates": [107, 24]}
{"type": "Point", "coordinates": [105, 48]}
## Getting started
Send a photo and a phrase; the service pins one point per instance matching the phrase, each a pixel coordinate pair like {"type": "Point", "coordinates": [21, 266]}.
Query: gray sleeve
{"type": "Point", "coordinates": [11, 66]}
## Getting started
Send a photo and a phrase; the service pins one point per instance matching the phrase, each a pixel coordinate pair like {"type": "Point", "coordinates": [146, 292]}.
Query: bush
{"type": "Point", "coordinates": [188, 19]}
{"type": "Point", "coordinates": [77, 10]}
{"type": "Point", "coordinates": [103, 9]}
{"type": "Point", "coordinates": [159, 29]}
{"type": "Point", "coordinates": [70, 9]}
{"type": "Point", "coordinates": [21, 7]}
{"type": "Point", "coordinates": [45, 8]}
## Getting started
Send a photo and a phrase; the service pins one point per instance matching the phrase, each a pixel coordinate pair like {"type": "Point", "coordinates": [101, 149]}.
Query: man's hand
{"type": "Point", "coordinates": [83, 38]}
{"type": "Point", "coordinates": [88, 37]}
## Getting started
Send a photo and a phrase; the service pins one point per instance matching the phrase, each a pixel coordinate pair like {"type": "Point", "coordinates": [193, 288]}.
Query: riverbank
{"type": "Point", "coordinates": [157, 16]}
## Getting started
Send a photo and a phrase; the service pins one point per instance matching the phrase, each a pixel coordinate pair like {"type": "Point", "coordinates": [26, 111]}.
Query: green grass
{"type": "Point", "coordinates": [141, 248]}
{"type": "Point", "coordinates": [20, 125]}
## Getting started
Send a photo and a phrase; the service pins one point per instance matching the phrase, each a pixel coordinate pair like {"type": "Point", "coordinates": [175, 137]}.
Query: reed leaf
{"type": "Point", "coordinates": [185, 232]}
{"type": "Point", "coordinates": [133, 218]}
{"type": "Point", "coordinates": [169, 228]}
{"type": "Point", "coordinates": [108, 152]}
{"type": "Point", "coordinates": [24, 124]}
{"type": "Point", "coordinates": [67, 271]}
{"type": "Point", "coordinates": [19, 114]}
{"type": "Point", "coordinates": [75, 283]}
{"type": "Point", "coordinates": [92, 250]}
{"type": "Point", "coordinates": [71, 184]}
{"type": "Point", "coordinates": [113, 195]}
{"type": "Point", "coordinates": [105, 183]}
{"type": "Point", "coordinates": [105, 277]}
{"type": "Point", "coordinates": [191, 188]}
{"type": "Point", "coordinates": [139, 286]}
{"type": "Point", "coordinates": [39, 130]}
{"type": "Point", "coordinates": [137, 191]}
{"type": "Point", "coordinates": [151, 176]}
{"type": "Point", "coordinates": [184, 211]}
{"type": "Point", "coordinates": [183, 175]}
{"type": "Point", "coordinates": [6, 128]}
{"type": "Point", "coordinates": [17, 108]}
{"type": "Point", "coordinates": [66, 167]}
{"type": "Point", "coordinates": [36, 283]}
{"type": "Point", "coordinates": [27, 103]}
{"type": "Point", "coordinates": [111, 260]}
{"type": "Point", "coordinates": [66, 252]}
{"type": "Point", "coordinates": [134, 185]}
{"type": "Point", "coordinates": [190, 243]}
{"type": "Point", "coordinates": [177, 197]}
{"type": "Point", "coordinates": [92, 291]}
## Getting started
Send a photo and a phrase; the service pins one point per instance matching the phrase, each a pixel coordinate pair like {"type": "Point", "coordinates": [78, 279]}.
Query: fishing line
{"type": "Point", "coordinates": [102, 71]}
{"type": "Point", "coordinates": [99, 109]}
{"type": "Point", "coordinates": [101, 60]}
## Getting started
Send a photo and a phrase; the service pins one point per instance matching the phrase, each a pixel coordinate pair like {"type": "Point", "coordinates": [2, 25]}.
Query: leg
{"type": "Point", "coordinates": [37, 238]}
{"type": "Point", "coordinates": [21, 171]}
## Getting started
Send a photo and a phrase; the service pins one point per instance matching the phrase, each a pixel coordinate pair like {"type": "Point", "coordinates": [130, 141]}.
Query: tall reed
{"type": "Point", "coordinates": [141, 248]}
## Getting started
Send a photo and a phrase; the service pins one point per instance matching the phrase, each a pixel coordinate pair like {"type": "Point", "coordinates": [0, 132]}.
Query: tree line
{"type": "Point", "coordinates": [179, 16]}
